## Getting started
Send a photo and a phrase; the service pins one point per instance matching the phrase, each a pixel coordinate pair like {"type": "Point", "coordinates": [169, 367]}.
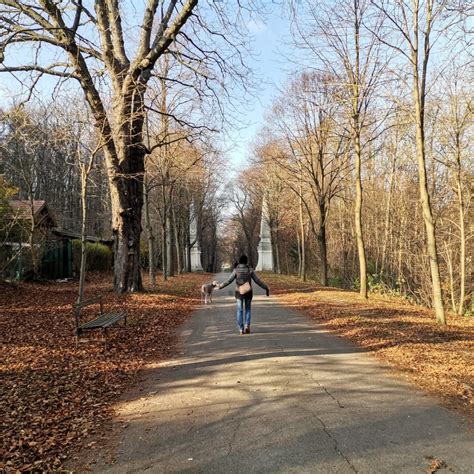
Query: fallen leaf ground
{"type": "Point", "coordinates": [438, 359]}
{"type": "Point", "coordinates": [54, 395]}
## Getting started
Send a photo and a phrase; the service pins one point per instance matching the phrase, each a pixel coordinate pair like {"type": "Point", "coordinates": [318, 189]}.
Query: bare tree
{"type": "Point", "coordinates": [8, 223]}
{"type": "Point", "coordinates": [24, 150]}
{"type": "Point", "coordinates": [455, 152]}
{"type": "Point", "coordinates": [246, 200]}
{"type": "Point", "coordinates": [114, 75]}
{"type": "Point", "coordinates": [307, 119]}
{"type": "Point", "coordinates": [334, 34]}
{"type": "Point", "coordinates": [412, 31]}
{"type": "Point", "coordinates": [85, 160]}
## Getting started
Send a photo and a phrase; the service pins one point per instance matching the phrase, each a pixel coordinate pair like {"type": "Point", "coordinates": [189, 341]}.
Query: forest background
{"type": "Point", "coordinates": [367, 111]}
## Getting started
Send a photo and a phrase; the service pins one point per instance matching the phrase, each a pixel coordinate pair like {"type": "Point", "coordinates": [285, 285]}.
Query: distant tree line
{"type": "Point", "coordinates": [41, 154]}
{"type": "Point", "coordinates": [366, 158]}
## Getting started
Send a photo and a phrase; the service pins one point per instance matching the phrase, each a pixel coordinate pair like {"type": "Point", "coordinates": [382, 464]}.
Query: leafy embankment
{"type": "Point", "coordinates": [436, 358]}
{"type": "Point", "coordinates": [53, 395]}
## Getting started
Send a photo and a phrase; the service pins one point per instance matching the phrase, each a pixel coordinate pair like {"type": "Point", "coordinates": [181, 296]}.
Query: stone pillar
{"type": "Point", "coordinates": [265, 253]}
{"type": "Point", "coordinates": [196, 265]}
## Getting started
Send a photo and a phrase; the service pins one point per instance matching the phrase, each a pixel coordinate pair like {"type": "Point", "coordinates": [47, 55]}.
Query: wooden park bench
{"type": "Point", "coordinates": [102, 321]}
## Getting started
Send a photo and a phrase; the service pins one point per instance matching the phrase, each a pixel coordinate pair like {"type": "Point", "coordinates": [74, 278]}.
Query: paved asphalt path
{"type": "Point", "coordinates": [290, 397]}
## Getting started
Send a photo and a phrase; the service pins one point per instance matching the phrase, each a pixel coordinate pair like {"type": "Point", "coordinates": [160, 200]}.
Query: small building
{"type": "Point", "coordinates": [34, 224]}
{"type": "Point", "coordinates": [53, 245]}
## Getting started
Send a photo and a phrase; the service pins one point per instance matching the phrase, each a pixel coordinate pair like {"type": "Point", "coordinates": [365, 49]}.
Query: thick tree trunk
{"type": "Point", "coordinates": [323, 254]}
{"type": "Point", "coordinates": [126, 192]}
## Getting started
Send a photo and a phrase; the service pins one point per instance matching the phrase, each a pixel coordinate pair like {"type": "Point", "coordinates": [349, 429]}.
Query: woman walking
{"type": "Point", "coordinates": [243, 276]}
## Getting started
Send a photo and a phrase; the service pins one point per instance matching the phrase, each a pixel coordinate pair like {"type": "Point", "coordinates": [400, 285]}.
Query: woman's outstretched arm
{"type": "Point", "coordinates": [259, 282]}
{"type": "Point", "coordinates": [228, 281]}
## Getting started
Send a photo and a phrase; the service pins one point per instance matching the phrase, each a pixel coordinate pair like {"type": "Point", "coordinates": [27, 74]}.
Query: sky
{"type": "Point", "coordinates": [269, 50]}
{"type": "Point", "coordinates": [270, 34]}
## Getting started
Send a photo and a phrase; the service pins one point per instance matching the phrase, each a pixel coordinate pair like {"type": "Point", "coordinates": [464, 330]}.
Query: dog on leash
{"type": "Point", "coordinates": [206, 291]}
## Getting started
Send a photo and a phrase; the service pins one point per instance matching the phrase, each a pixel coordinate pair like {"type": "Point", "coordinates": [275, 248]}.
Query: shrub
{"type": "Point", "coordinates": [337, 282]}
{"type": "Point", "coordinates": [99, 256]}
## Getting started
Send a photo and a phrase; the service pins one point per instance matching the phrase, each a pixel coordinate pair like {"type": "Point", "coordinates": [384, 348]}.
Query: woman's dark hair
{"type": "Point", "coordinates": [236, 263]}
{"type": "Point", "coordinates": [243, 259]}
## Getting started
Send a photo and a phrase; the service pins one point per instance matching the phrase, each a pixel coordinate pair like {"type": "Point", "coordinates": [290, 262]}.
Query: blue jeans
{"type": "Point", "coordinates": [240, 313]}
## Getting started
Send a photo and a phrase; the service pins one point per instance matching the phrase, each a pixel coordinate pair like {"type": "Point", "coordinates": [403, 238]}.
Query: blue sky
{"type": "Point", "coordinates": [271, 68]}
{"type": "Point", "coordinates": [270, 33]}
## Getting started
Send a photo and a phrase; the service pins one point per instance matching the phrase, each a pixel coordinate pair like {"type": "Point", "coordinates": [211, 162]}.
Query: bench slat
{"type": "Point", "coordinates": [102, 321]}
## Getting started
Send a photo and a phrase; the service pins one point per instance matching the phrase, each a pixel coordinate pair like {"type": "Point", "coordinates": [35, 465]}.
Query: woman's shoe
{"type": "Point", "coordinates": [241, 332]}
{"type": "Point", "coordinates": [247, 329]}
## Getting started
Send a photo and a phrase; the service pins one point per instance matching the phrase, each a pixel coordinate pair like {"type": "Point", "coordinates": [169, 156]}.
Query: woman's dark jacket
{"type": "Point", "coordinates": [243, 273]}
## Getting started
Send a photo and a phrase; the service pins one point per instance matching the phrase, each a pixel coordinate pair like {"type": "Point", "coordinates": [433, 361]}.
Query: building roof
{"type": "Point", "coordinates": [25, 206]}
{"type": "Point", "coordinates": [22, 209]}
{"type": "Point", "coordinates": [77, 235]}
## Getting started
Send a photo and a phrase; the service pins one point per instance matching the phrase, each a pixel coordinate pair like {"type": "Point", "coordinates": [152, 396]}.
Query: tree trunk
{"type": "Point", "coordinates": [82, 271]}
{"type": "Point", "coordinates": [323, 244]}
{"type": "Point", "coordinates": [449, 264]}
{"type": "Point", "coordinates": [177, 242]}
{"type": "Point", "coordinates": [164, 233]}
{"type": "Point", "coordinates": [419, 99]}
{"type": "Point", "coordinates": [387, 217]}
{"type": "Point", "coordinates": [462, 256]}
{"type": "Point", "coordinates": [358, 156]}
{"type": "Point", "coordinates": [188, 257]}
{"type": "Point", "coordinates": [303, 242]}
{"type": "Point", "coordinates": [277, 253]}
{"type": "Point", "coordinates": [151, 237]}
{"type": "Point", "coordinates": [169, 245]}
{"type": "Point", "coordinates": [164, 258]}
{"type": "Point", "coordinates": [343, 243]}
{"type": "Point", "coordinates": [323, 255]}
{"type": "Point", "coordinates": [32, 239]}
{"type": "Point", "coordinates": [126, 193]}
{"type": "Point", "coordinates": [298, 243]}
{"type": "Point", "coordinates": [400, 277]}
{"type": "Point", "coordinates": [358, 220]}
{"type": "Point", "coordinates": [429, 225]}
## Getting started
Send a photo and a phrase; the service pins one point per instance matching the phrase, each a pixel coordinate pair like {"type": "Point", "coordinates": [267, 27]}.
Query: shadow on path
{"type": "Point", "coordinates": [290, 397]}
